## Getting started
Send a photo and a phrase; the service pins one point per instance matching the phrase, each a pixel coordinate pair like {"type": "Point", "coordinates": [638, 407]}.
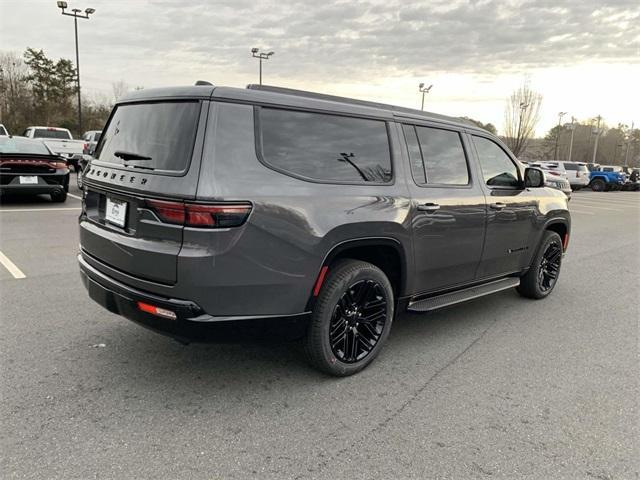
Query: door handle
{"type": "Point", "coordinates": [428, 207]}
{"type": "Point", "coordinates": [497, 205]}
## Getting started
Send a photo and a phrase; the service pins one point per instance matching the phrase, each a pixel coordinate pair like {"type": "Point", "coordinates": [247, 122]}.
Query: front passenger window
{"type": "Point", "coordinates": [497, 168]}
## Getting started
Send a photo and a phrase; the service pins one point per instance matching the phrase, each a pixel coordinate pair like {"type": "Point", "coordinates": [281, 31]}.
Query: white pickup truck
{"type": "Point", "coordinates": [59, 141]}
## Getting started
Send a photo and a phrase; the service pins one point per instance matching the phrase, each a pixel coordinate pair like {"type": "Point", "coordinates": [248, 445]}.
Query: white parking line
{"type": "Point", "coordinates": [38, 209]}
{"type": "Point", "coordinates": [74, 196]}
{"type": "Point", "coordinates": [9, 265]}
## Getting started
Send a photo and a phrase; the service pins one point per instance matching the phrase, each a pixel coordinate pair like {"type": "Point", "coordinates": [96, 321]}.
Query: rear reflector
{"type": "Point", "coordinates": [320, 280]}
{"type": "Point", "coordinates": [565, 242]}
{"type": "Point", "coordinates": [153, 310]}
{"type": "Point", "coordinates": [221, 215]}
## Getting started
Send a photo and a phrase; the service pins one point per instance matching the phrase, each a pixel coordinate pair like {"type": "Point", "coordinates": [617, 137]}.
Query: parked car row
{"type": "Point", "coordinates": [38, 161]}
{"type": "Point", "coordinates": [573, 176]}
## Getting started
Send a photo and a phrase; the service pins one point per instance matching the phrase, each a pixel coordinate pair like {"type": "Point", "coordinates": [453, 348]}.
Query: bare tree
{"type": "Point", "coordinates": [119, 89]}
{"type": "Point", "coordinates": [521, 116]}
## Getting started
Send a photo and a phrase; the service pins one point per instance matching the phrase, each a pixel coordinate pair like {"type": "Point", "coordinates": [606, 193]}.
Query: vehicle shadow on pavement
{"type": "Point", "coordinates": [139, 357]}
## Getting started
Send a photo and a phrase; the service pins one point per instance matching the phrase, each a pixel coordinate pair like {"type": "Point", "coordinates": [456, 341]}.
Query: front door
{"type": "Point", "coordinates": [449, 208]}
{"type": "Point", "coordinates": [512, 210]}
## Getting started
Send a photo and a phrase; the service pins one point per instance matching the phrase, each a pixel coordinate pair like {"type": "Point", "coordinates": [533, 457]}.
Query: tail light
{"type": "Point", "coordinates": [58, 164]}
{"type": "Point", "coordinates": [200, 215]}
{"type": "Point", "coordinates": [577, 174]}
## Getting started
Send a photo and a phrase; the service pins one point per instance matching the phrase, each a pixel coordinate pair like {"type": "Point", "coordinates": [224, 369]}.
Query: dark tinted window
{"type": "Point", "coordinates": [325, 147]}
{"type": "Point", "coordinates": [571, 166]}
{"type": "Point", "coordinates": [444, 158]}
{"type": "Point", "coordinates": [45, 133]}
{"type": "Point", "coordinates": [23, 145]}
{"type": "Point", "coordinates": [162, 132]}
{"type": "Point", "coordinates": [497, 168]}
{"type": "Point", "coordinates": [3, 131]}
{"type": "Point", "coordinates": [415, 156]}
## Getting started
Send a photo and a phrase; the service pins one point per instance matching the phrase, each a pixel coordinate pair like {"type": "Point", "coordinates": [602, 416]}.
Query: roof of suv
{"type": "Point", "coordinates": [270, 95]}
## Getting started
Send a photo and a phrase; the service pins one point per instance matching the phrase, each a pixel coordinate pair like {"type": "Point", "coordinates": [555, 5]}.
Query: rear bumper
{"type": "Point", "coordinates": [47, 183]}
{"type": "Point", "coordinates": [192, 323]}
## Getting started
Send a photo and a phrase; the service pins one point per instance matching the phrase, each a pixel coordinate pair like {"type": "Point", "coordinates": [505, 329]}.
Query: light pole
{"type": "Point", "coordinates": [573, 129]}
{"type": "Point", "coordinates": [255, 53]}
{"type": "Point", "coordinates": [423, 89]}
{"type": "Point", "coordinates": [76, 14]}
{"type": "Point", "coordinates": [595, 145]}
{"type": "Point", "coordinates": [555, 152]}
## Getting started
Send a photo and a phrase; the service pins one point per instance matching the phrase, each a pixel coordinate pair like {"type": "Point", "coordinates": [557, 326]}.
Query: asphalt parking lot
{"type": "Point", "coordinates": [501, 387]}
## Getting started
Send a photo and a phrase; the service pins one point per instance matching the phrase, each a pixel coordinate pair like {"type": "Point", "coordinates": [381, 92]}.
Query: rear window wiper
{"type": "Point", "coordinates": [130, 155]}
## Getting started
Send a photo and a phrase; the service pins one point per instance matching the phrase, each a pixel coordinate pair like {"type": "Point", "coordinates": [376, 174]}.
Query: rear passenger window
{"type": "Point", "coordinates": [444, 159]}
{"type": "Point", "coordinates": [497, 168]}
{"type": "Point", "coordinates": [324, 147]}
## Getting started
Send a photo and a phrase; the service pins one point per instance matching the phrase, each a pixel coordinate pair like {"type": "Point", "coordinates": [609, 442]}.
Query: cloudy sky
{"type": "Point", "coordinates": [582, 55]}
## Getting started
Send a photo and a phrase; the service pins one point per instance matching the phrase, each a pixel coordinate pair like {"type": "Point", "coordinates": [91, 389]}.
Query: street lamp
{"type": "Point", "coordinates": [255, 53]}
{"type": "Point", "coordinates": [423, 89]}
{"type": "Point", "coordinates": [555, 152]}
{"type": "Point", "coordinates": [572, 127]}
{"type": "Point", "coordinates": [76, 14]}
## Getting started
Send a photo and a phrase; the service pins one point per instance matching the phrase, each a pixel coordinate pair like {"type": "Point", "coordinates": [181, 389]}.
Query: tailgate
{"type": "Point", "coordinates": [163, 144]}
{"type": "Point", "coordinates": [140, 246]}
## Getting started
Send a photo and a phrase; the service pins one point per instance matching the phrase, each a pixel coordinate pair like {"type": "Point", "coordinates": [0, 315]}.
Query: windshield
{"type": "Point", "coordinates": [46, 133]}
{"type": "Point", "coordinates": [2, 130]}
{"type": "Point", "coordinates": [157, 136]}
{"type": "Point", "coordinates": [22, 145]}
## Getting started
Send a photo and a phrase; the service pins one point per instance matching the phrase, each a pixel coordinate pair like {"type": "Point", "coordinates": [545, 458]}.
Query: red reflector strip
{"type": "Point", "coordinates": [160, 312]}
{"type": "Point", "coordinates": [321, 275]}
{"type": "Point", "coordinates": [565, 241]}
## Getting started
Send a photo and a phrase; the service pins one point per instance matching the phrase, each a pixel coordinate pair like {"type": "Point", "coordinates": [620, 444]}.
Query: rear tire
{"type": "Point", "coordinates": [543, 274]}
{"type": "Point", "coordinates": [59, 196]}
{"type": "Point", "coordinates": [598, 185]}
{"type": "Point", "coordinates": [351, 319]}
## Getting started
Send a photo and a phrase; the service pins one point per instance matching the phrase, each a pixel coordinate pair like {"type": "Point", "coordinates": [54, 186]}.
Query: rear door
{"type": "Point", "coordinates": [511, 214]}
{"type": "Point", "coordinates": [149, 151]}
{"type": "Point", "coordinates": [449, 208]}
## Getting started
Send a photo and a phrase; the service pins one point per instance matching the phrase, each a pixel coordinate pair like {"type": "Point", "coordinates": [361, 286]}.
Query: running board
{"type": "Point", "coordinates": [446, 299]}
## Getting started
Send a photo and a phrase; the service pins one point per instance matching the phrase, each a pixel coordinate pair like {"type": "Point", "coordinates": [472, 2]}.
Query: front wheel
{"type": "Point", "coordinates": [598, 185]}
{"type": "Point", "coordinates": [543, 274]}
{"type": "Point", "coordinates": [351, 319]}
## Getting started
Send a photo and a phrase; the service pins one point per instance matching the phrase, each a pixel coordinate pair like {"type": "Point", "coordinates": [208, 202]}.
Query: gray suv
{"type": "Point", "coordinates": [207, 205]}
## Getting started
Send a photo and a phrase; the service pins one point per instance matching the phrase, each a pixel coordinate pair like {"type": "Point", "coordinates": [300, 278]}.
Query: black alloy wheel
{"type": "Point", "coordinates": [541, 278]}
{"type": "Point", "coordinates": [358, 321]}
{"type": "Point", "coordinates": [351, 318]}
{"type": "Point", "coordinates": [549, 266]}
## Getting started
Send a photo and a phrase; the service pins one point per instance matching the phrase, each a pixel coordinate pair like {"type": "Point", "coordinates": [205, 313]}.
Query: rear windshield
{"type": "Point", "coordinates": [22, 145]}
{"type": "Point", "coordinates": [46, 133]}
{"type": "Point", "coordinates": [156, 136]}
{"type": "Point", "coordinates": [2, 131]}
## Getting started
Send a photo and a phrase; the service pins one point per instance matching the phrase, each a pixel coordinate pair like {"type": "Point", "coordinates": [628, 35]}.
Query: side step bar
{"type": "Point", "coordinates": [446, 299]}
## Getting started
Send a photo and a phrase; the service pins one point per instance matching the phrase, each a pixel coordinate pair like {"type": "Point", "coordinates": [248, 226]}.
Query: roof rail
{"type": "Point", "coordinates": [354, 101]}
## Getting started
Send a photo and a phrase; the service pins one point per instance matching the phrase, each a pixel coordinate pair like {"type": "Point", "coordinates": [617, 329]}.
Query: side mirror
{"type": "Point", "coordinates": [533, 177]}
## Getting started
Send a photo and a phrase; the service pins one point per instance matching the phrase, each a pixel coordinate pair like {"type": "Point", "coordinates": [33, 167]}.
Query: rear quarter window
{"type": "Point", "coordinates": [324, 147]}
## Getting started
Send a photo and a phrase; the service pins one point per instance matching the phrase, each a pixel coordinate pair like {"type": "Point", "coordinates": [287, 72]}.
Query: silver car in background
{"type": "Point", "coordinates": [577, 174]}
{"type": "Point", "coordinates": [555, 176]}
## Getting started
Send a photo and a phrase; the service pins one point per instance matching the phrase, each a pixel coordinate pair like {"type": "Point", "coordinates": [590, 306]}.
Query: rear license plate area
{"type": "Point", "coordinates": [28, 180]}
{"type": "Point", "coordinates": [116, 212]}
